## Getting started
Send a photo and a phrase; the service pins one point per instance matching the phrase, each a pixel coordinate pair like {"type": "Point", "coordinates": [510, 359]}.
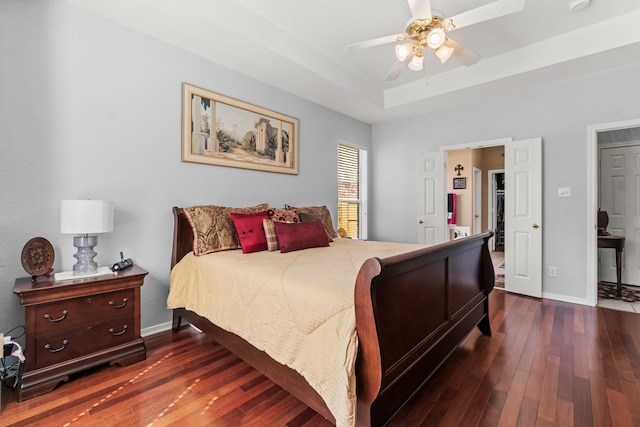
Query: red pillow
{"type": "Point", "coordinates": [250, 231]}
{"type": "Point", "coordinates": [301, 235]}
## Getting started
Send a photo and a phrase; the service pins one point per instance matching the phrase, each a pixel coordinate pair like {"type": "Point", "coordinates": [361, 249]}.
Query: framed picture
{"type": "Point", "coordinates": [219, 130]}
{"type": "Point", "coordinates": [459, 183]}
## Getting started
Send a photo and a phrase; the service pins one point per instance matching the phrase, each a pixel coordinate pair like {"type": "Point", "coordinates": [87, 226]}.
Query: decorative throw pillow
{"type": "Point", "coordinates": [284, 215]}
{"type": "Point", "coordinates": [213, 230]}
{"type": "Point", "coordinates": [270, 234]}
{"type": "Point", "coordinates": [301, 235]}
{"type": "Point", "coordinates": [321, 212]}
{"type": "Point", "coordinates": [307, 217]}
{"type": "Point", "coordinates": [250, 231]}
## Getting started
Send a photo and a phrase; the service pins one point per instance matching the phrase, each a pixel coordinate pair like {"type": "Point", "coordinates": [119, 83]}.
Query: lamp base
{"type": "Point", "coordinates": [85, 254]}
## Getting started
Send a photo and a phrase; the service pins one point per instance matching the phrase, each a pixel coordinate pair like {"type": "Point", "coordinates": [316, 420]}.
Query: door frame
{"type": "Point", "coordinates": [469, 146]}
{"type": "Point", "coordinates": [477, 201]}
{"type": "Point", "coordinates": [500, 142]}
{"type": "Point", "coordinates": [593, 157]}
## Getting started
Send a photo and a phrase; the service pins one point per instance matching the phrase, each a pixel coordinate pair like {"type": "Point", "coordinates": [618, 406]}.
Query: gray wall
{"type": "Point", "coordinates": [558, 113]}
{"type": "Point", "coordinates": [90, 109]}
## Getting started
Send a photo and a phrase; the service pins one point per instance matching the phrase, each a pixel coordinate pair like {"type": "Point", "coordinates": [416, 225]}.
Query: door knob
{"type": "Point", "coordinates": [536, 225]}
{"type": "Point", "coordinates": [420, 221]}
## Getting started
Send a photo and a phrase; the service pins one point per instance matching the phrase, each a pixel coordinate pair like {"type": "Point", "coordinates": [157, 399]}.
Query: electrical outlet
{"type": "Point", "coordinates": [553, 272]}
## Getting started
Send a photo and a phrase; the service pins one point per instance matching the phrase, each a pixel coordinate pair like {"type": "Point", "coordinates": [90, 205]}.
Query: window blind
{"type": "Point", "coordinates": [348, 172]}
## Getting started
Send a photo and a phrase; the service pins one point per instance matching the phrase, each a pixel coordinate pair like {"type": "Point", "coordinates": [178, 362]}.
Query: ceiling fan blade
{"type": "Point", "coordinates": [462, 54]}
{"type": "Point", "coordinates": [488, 11]}
{"type": "Point", "coordinates": [372, 43]}
{"type": "Point", "coordinates": [420, 9]}
{"type": "Point", "coordinates": [397, 68]}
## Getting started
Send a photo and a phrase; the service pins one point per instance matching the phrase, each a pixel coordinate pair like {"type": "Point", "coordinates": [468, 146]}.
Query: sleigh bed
{"type": "Point", "coordinates": [411, 310]}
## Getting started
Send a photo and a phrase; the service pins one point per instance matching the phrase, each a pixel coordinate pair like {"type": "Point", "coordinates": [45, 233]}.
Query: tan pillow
{"type": "Point", "coordinates": [321, 212]}
{"type": "Point", "coordinates": [213, 229]}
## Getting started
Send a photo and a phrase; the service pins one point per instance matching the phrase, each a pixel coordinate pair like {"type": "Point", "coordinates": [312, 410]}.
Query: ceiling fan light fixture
{"type": "Point", "coordinates": [444, 52]}
{"type": "Point", "coordinates": [403, 51]}
{"type": "Point", "coordinates": [436, 38]}
{"type": "Point", "coordinates": [416, 63]}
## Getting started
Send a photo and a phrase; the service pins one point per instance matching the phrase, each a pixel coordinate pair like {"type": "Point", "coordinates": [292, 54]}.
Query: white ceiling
{"type": "Point", "coordinates": [297, 45]}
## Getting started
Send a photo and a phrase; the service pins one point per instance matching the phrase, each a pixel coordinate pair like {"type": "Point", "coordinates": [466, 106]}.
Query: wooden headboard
{"type": "Point", "coordinates": [182, 236]}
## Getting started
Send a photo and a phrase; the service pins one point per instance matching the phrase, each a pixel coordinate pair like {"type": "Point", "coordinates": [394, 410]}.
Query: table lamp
{"type": "Point", "coordinates": [85, 218]}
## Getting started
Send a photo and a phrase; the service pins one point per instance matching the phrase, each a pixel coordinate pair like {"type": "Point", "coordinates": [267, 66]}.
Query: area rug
{"type": "Point", "coordinates": [608, 291]}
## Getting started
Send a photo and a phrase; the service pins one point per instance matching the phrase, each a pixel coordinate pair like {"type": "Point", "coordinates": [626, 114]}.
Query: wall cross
{"type": "Point", "coordinates": [458, 169]}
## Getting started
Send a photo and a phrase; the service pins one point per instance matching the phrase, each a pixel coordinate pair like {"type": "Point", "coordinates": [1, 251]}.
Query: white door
{"type": "Point", "coordinates": [619, 187]}
{"type": "Point", "coordinates": [477, 201]}
{"type": "Point", "coordinates": [523, 216]}
{"type": "Point", "coordinates": [432, 203]}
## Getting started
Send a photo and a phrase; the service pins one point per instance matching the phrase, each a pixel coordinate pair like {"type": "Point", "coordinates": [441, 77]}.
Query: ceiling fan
{"type": "Point", "coordinates": [427, 28]}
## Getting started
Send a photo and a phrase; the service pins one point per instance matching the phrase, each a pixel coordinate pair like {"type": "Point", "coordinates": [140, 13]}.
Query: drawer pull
{"type": "Point", "coordinates": [114, 333]}
{"type": "Point", "coordinates": [64, 345]}
{"type": "Point", "coordinates": [64, 314]}
{"type": "Point", "coordinates": [124, 302]}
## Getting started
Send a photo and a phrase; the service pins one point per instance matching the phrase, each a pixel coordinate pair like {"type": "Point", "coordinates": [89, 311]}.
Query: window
{"type": "Point", "coordinates": [352, 190]}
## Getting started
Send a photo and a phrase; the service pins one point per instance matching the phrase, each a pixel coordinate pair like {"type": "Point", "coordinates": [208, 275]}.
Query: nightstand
{"type": "Point", "coordinates": [78, 324]}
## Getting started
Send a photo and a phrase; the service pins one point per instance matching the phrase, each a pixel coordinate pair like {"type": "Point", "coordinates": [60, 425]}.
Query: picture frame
{"type": "Point", "coordinates": [220, 130]}
{"type": "Point", "coordinates": [459, 183]}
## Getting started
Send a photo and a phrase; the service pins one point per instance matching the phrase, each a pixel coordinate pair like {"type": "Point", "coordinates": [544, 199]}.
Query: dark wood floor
{"type": "Point", "coordinates": [547, 363]}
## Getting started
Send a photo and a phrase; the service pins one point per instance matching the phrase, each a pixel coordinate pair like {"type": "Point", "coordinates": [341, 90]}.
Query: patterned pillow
{"type": "Point", "coordinates": [250, 231]}
{"type": "Point", "coordinates": [213, 230]}
{"type": "Point", "coordinates": [270, 235]}
{"type": "Point", "coordinates": [284, 215]}
{"type": "Point", "coordinates": [321, 212]}
{"type": "Point", "coordinates": [303, 235]}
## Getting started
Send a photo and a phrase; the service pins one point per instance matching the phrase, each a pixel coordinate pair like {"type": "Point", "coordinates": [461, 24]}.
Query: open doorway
{"type": "Point", "coordinates": [522, 163]}
{"type": "Point", "coordinates": [618, 219]}
{"type": "Point", "coordinates": [475, 186]}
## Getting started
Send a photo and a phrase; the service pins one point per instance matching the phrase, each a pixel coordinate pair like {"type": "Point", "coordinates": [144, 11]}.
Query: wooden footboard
{"type": "Point", "coordinates": [412, 311]}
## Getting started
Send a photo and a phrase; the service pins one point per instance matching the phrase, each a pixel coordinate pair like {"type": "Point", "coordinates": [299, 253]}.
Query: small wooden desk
{"type": "Point", "coordinates": [617, 243]}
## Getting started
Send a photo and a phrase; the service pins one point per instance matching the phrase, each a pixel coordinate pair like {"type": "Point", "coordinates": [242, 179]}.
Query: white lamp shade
{"type": "Point", "coordinates": [416, 63]}
{"type": "Point", "coordinates": [444, 52]}
{"type": "Point", "coordinates": [86, 216]}
{"type": "Point", "coordinates": [436, 38]}
{"type": "Point", "coordinates": [403, 51]}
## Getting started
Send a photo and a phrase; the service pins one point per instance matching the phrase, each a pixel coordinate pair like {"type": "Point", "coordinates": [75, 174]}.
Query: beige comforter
{"type": "Point", "coordinates": [297, 307]}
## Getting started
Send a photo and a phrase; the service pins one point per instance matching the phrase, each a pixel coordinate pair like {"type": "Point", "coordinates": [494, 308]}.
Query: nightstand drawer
{"type": "Point", "coordinates": [63, 315]}
{"type": "Point", "coordinates": [84, 340]}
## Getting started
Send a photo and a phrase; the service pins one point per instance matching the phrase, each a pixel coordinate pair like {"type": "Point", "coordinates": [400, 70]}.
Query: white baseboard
{"type": "Point", "coordinates": [155, 329]}
{"type": "Point", "coordinates": [556, 297]}
{"type": "Point", "coordinates": [565, 298]}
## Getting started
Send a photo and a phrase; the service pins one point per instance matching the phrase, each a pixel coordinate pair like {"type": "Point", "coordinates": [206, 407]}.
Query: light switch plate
{"type": "Point", "coordinates": [564, 191]}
